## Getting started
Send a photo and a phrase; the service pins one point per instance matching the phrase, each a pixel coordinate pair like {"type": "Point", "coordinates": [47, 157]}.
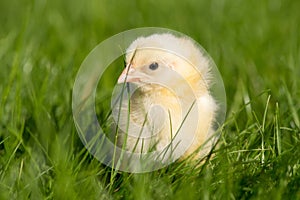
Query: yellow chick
{"type": "Point", "coordinates": [171, 106]}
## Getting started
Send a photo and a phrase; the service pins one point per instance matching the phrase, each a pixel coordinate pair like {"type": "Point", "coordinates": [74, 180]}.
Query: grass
{"type": "Point", "coordinates": [255, 45]}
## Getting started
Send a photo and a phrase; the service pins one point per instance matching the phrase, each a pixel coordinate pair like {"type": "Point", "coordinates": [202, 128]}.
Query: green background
{"type": "Point", "coordinates": [256, 46]}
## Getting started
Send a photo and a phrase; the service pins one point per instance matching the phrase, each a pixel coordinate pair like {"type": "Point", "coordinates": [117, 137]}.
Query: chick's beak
{"type": "Point", "coordinates": [128, 75]}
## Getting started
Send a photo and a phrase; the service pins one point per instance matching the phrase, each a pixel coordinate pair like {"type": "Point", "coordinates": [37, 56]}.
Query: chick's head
{"type": "Point", "coordinates": [168, 60]}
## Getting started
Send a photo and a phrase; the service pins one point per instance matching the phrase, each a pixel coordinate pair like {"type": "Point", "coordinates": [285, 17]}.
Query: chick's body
{"type": "Point", "coordinates": [172, 103]}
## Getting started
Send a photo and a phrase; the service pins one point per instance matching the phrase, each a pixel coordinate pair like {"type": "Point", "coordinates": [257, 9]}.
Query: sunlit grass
{"type": "Point", "coordinates": [256, 47]}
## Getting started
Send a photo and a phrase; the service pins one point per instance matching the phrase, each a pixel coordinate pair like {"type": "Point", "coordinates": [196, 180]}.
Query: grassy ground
{"type": "Point", "coordinates": [255, 44]}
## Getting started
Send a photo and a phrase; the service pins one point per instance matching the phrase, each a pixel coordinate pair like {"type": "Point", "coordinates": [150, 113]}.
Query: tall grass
{"type": "Point", "coordinates": [256, 47]}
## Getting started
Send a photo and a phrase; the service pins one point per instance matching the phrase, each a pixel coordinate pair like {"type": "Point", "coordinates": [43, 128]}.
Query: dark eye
{"type": "Point", "coordinates": [153, 66]}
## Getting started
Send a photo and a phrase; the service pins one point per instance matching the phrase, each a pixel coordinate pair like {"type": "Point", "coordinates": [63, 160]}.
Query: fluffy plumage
{"type": "Point", "coordinates": [172, 77]}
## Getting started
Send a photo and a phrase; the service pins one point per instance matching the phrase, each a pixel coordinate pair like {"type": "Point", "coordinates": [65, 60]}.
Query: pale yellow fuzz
{"type": "Point", "coordinates": [183, 78]}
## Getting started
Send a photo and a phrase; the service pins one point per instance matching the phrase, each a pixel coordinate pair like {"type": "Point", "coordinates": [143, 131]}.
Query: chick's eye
{"type": "Point", "coordinates": [153, 66]}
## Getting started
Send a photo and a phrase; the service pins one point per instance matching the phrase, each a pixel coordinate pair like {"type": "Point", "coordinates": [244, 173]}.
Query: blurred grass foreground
{"type": "Point", "coordinates": [255, 44]}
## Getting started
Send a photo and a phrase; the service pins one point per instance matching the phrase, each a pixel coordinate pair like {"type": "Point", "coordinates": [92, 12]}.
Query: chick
{"type": "Point", "coordinates": [171, 103]}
